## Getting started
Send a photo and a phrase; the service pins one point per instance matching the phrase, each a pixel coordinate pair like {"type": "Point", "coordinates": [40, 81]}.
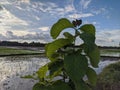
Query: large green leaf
{"type": "Point", "coordinates": [60, 26]}
{"type": "Point", "coordinates": [94, 56]}
{"type": "Point", "coordinates": [88, 28]}
{"type": "Point", "coordinates": [88, 39]}
{"type": "Point", "coordinates": [38, 86]}
{"type": "Point", "coordinates": [75, 66]}
{"type": "Point", "coordinates": [55, 55]}
{"type": "Point", "coordinates": [81, 85]}
{"type": "Point", "coordinates": [69, 36]}
{"type": "Point", "coordinates": [90, 48]}
{"type": "Point", "coordinates": [93, 53]}
{"type": "Point", "coordinates": [42, 71]}
{"type": "Point", "coordinates": [55, 67]}
{"type": "Point", "coordinates": [55, 45]}
{"type": "Point", "coordinates": [92, 76]}
{"type": "Point", "coordinates": [59, 85]}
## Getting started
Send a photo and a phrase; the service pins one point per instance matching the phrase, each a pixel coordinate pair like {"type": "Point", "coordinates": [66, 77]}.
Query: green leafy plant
{"type": "Point", "coordinates": [69, 64]}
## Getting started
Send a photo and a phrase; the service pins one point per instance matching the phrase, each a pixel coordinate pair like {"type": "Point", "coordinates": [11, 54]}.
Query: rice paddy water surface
{"type": "Point", "coordinates": [13, 67]}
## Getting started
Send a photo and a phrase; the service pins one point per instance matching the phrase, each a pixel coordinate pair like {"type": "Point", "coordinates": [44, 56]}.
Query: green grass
{"type": "Point", "coordinates": [110, 52]}
{"type": "Point", "coordinates": [111, 73]}
{"type": "Point", "coordinates": [109, 78]}
{"type": "Point", "coordinates": [9, 51]}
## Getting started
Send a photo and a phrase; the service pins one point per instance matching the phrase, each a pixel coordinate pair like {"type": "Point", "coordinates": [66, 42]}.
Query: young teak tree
{"type": "Point", "coordinates": [67, 63]}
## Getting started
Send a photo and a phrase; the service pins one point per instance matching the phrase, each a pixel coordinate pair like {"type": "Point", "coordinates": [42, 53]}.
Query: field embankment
{"type": "Point", "coordinates": [11, 51]}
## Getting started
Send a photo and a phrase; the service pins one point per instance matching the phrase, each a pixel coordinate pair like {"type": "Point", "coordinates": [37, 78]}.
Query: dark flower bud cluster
{"type": "Point", "coordinates": [77, 23]}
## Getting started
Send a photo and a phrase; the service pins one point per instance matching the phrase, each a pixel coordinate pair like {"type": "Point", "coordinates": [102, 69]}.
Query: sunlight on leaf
{"type": "Point", "coordinates": [42, 71]}
{"type": "Point", "coordinates": [88, 28]}
{"type": "Point", "coordinates": [59, 27]}
{"type": "Point", "coordinates": [55, 45]}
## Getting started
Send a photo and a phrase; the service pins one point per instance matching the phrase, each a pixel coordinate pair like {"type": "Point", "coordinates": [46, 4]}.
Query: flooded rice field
{"type": "Point", "coordinates": [13, 67]}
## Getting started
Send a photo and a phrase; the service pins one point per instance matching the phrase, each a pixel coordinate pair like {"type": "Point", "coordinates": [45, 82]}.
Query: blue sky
{"type": "Point", "coordinates": [31, 20]}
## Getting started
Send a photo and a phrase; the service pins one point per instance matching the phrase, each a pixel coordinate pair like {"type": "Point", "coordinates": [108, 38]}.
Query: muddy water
{"type": "Point", "coordinates": [12, 68]}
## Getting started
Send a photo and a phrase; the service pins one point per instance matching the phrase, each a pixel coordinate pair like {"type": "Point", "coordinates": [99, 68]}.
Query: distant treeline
{"type": "Point", "coordinates": [38, 44]}
{"type": "Point", "coordinates": [24, 44]}
{"type": "Point", "coordinates": [108, 47]}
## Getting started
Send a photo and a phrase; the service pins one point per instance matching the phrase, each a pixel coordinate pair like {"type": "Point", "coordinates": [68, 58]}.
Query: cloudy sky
{"type": "Point", "coordinates": [31, 20]}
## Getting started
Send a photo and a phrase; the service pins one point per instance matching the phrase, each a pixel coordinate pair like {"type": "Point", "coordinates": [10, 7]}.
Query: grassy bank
{"type": "Point", "coordinates": [10, 51]}
{"type": "Point", "coordinates": [109, 78]}
{"type": "Point", "coordinates": [110, 50]}
{"type": "Point", "coordinates": [23, 51]}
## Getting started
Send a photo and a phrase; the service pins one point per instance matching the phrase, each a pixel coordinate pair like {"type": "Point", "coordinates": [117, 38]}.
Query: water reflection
{"type": "Point", "coordinates": [11, 68]}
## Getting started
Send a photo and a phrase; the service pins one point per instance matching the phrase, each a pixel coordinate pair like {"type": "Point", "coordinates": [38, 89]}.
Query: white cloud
{"type": "Point", "coordinates": [24, 1]}
{"type": "Point", "coordinates": [2, 37]}
{"type": "Point", "coordinates": [19, 1]}
{"type": "Point", "coordinates": [44, 28]}
{"type": "Point", "coordinates": [4, 2]}
{"type": "Point", "coordinates": [108, 37]}
{"type": "Point", "coordinates": [69, 8]}
{"type": "Point", "coordinates": [21, 32]}
{"type": "Point", "coordinates": [94, 23]}
{"type": "Point", "coordinates": [57, 11]}
{"type": "Point", "coordinates": [9, 19]}
{"type": "Point", "coordinates": [85, 3]}
{"type": "Point", "coordinates": [44, 7]}
{"type": "Point", "coordinates": [10, 35]}
{"type": "Point", "coordinates": [27, 36]}
{"type": "Point", "coordinates": [99, 11]}
{"type": "Point", "coordinates": [82, 15]}
{"type": "Point", "coordinates": [44, 37]}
